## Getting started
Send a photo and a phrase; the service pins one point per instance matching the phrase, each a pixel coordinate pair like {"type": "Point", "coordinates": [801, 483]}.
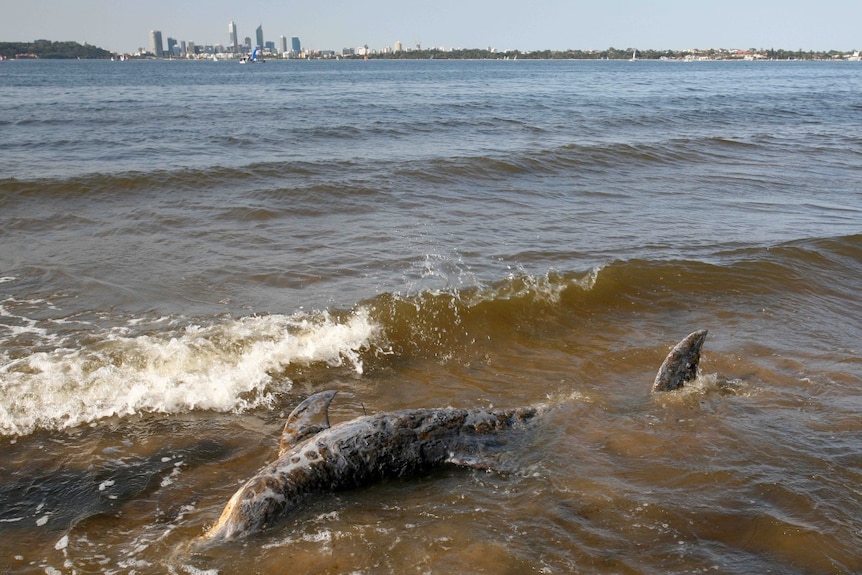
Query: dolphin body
{"type": "Point", "coordinates": [315, 457]}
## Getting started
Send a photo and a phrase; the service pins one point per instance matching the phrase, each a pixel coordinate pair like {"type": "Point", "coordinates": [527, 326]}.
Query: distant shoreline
{"type": "Point", "coordinates": [44, 49]}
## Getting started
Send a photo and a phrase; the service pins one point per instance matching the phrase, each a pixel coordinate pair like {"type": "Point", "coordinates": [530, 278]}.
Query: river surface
{"type": "Point", "coordinates": [189, 249]}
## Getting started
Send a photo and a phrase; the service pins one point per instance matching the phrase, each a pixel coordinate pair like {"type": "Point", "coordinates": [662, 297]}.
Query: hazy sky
{"type": "Point", "coordinates": [124, 25]}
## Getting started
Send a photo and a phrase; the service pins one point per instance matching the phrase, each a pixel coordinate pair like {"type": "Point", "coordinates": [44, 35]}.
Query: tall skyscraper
{"type": "Point", "coordinates": [234, 41]}
{"type": "Point", "coordinates": [282, 45]}
{"type": "Point", "coordinates": [156, 46]}
{"type": "Point", "coordinates": [295, 45]}
{"type": "Point", "coordinates": [260, 36]}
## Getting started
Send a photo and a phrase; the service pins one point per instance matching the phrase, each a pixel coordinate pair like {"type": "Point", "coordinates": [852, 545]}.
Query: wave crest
{"type": "Point", "coordinates": [234, 365]}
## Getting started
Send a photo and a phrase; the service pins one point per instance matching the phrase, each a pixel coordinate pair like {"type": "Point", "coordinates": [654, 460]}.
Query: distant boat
{"type": "Point", "coordinates": [254, 58]}
{"type": "Point", "coordinates": [634, 55]}
{"type": "Point", "coordinates": [855, 57]}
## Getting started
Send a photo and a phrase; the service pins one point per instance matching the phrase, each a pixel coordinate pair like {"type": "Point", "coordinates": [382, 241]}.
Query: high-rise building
{"type": "Point", "coordinates": [156, 46]}
{"type": "Point", "coordinates": [295, 45]}
{"type": "Point", "coordinates": [173, 50]}
{"type": "Point", "coordinates": [282, 45]}
{"type": "Point", "coordinates": [398, 46]}
{"type": "Point", "coordinates": [234, 41]}
{"type": "Point", "coordinates": [260, 36]}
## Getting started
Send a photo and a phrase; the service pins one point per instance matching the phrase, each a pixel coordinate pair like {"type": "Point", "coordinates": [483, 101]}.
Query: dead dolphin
{"type": "Point", "coordinates": [315, 457]}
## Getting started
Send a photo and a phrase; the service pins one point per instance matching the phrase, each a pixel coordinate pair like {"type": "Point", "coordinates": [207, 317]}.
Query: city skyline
{"type": "Point", "coordinates": [179, 48]}
{"type": "Point", "coordinates": [503, 24]}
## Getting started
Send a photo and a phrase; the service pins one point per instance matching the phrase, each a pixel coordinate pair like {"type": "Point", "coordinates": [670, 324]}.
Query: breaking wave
{"type": "Point", "coordinates": [228, 366]}
{"type": "Point", "coordinates": [50, 379]}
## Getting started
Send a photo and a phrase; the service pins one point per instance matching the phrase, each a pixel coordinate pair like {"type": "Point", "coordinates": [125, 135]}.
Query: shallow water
{"type": "Point", "coordinates": [187, 250]}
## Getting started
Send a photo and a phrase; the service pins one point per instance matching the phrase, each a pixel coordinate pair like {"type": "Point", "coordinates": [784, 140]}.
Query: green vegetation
{"type": "Point", "coordinates": [54, 50]}
{"type": "Point", "coordinates": [609, 54]}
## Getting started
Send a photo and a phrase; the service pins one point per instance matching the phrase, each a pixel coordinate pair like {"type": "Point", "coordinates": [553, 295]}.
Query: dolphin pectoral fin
{"type": "Point", "coordinates": [308, 418]}
{"type": "Point", "coordinates": [680, 366]}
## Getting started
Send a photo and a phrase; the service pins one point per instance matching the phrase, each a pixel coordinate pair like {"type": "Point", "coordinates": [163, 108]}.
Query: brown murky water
{"type": "Point", "coordinates": [754, 467]}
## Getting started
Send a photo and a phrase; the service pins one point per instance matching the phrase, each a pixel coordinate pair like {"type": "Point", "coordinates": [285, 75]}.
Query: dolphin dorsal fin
{"type": "Point", "coordinates": [680, 365]}
{"type": "Point", "coordinates": [308, 418]}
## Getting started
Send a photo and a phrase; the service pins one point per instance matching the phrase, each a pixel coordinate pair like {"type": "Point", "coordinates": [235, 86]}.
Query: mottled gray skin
{"type": "Point", "coordinates": [681, 363]}
{"type": "Point", "coordinates": [316, 458]}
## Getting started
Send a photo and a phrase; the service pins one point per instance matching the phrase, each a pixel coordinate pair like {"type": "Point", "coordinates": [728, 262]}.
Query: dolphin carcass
{"type": "Point", "coordinates": [315, 457]}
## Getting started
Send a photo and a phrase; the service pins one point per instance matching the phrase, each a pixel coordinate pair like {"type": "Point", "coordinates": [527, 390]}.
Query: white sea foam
{"type": "Point", "coordinates": [14, 324]}
{"type": "Point", "coordinates": [588, 282]}
{"type": "Point", "coordinates": [223, 367]}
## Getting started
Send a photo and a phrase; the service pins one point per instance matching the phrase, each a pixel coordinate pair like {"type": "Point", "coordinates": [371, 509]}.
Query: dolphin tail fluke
{"type": "Point", "coordinates": [310, 417]}
{"type": "Point", "coordinates": [680, 366]}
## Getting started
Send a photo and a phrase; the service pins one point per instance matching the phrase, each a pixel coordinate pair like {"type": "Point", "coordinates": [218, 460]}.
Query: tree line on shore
{"type": "Point", "coordinates": [52, 50]}
{"type": "Point", "coordinates": [611, 54]}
